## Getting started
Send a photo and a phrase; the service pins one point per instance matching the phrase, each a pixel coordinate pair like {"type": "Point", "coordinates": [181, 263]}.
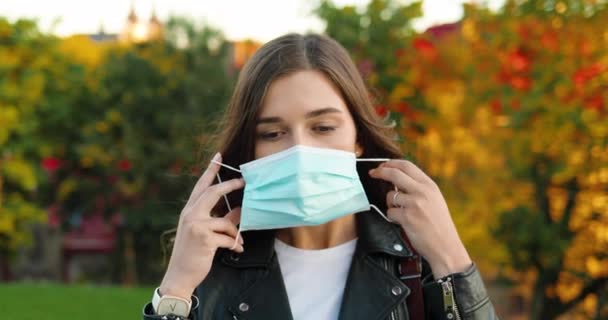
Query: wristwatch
{"type": "Point", "coordinates": [166, 304]}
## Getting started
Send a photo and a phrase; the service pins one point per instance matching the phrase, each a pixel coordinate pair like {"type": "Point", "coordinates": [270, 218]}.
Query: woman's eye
{"type": "Point", "coordinates": [324, 129]}
{"type": "Point", "coordinates": [270, 135]}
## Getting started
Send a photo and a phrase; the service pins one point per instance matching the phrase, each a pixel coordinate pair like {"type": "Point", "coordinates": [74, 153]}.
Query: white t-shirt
{"type": "Point", "coordinates": [315, 279]}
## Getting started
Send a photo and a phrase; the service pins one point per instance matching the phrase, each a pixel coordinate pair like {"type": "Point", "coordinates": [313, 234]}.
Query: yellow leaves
{"type": "Point", "coordinates": [87, 162]}
{"type": "Point", "coordinates": [32, 89]}
{"type": "Point", "coordinates": [5, 29]}
{"type": "Point", "coordinates": [449, 167]}
{"type": "Point", "coordinates": [596, 267]}
{"type": "Point", "coordinates": [82, 49]}
{"type": "Point", "coordinates": [432, 141]}
{"type": "Point", "coordinates": [561, 7]}
{"type": "Point", "coordinates": [576, 157]}
{"type": "Point", "coordinates": [66, 187]}
{"type": "Point", "coordinates": [469, 30]}
{"type": "Point", "coordinates": [20, 172]}
{"type": "Point", "coordinates": [102, 127]}
{"type": "Point", "coordinates": [561, 90]}
{"type": "Point", "coordinates": [9, 119]}
{"type": "Point", "coordinates": [9, 58]}
{"type": "Point", "coordinates": [94, 154]}
{"type": "Point", "coordinates": [446, 96]}
{"type": "Point", "coordinates": [7, 223]}
{"type": "Point", "coordinates": [557, 23]}
{"type": "Point", "coordinates": [401, 91]}
{"type": "Point", "coordinates": [590, 304]}
{"type": "Point", "coordinates": [113, 116]}
{"type": "Point", "coordinates": [602, 232]}
{"type": "Point", "coordinates": [557, 202]}
{"type": "Point", "coordinates": [603, 175]}
{"type": "Point", "coordinates": [568, 286]}
{"type": "Point", "coordinates": [130, 188]}
{"type": "Point", "coordinates": [16, 213]}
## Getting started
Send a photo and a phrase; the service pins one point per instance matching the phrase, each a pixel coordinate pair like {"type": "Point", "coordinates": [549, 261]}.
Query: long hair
{"type": "Point", "coordinates": [283, 56]}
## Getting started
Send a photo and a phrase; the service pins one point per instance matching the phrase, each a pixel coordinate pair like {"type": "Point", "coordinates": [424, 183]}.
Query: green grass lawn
{"type": "Point", "coordinates": [74, 302]}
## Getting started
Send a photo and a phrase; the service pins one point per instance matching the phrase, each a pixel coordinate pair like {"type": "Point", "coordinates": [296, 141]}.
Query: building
{"type": "Point", "coordinates": [136, 30]}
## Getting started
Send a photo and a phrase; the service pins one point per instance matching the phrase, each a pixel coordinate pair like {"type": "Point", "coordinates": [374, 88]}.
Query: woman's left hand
{"type": "Point", "coordinates": [419, 207]}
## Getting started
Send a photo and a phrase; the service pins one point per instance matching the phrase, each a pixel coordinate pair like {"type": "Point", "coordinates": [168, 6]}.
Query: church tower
{"type": "Point", "coordinates": [137, 30]}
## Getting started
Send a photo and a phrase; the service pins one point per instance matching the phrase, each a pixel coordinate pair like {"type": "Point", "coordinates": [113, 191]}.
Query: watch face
{"type": "Point", "coordinates": [175, 306]}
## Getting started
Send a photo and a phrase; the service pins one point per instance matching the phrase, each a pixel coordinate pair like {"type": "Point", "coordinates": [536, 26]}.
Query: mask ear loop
{"type": "Point", "coordinates": [371, 205]}
{"type": "Point", "coordinates": [238, 234]}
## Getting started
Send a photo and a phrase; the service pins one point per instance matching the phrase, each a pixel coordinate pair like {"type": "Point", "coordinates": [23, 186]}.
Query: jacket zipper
{"type": "Point", "coordinates": [449, 302]}
{"type": "Point", "coordinates": [386, 266]}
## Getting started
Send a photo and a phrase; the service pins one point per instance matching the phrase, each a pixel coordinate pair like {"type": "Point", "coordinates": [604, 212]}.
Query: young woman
{"type": "Point", "coordinates": [327, 209]}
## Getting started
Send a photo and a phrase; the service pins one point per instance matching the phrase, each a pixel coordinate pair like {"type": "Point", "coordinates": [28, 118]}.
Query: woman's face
{"type": "Point", "coordinates": [304, 108]}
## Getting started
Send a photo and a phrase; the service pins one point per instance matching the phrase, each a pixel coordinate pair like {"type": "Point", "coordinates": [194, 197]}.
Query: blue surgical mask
{"type": "Point", "coordinates": [301, 186]}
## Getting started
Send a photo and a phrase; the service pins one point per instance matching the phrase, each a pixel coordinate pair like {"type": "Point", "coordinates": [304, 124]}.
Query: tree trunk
{"type": "Point", "coordinates": [538, 298]}
{"type": "Point", "coordinates": [5, 270]}
{"type": "Point", "coordinates": [544, 307]}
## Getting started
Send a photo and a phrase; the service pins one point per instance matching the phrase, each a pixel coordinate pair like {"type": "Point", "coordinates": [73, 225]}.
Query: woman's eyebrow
{"type": "Point", "coordinates": [270, 120]}
{"type": "Point", "coordinates": [310, 114]}
{"type": "Point", "coordinates": [318, 112]}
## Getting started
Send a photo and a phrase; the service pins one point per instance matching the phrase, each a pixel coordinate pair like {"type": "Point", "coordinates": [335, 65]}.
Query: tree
{"type": "Point", "coordinates": [106, 129]}
{"type": "Point", "coordinates": [34, 77]}
{"type": "Point", "coordinates": [135, 135]}
{"type": "Point", "coordinates": [507, 112]}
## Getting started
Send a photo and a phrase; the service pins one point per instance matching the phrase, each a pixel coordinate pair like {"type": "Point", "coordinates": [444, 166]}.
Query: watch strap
{"type": "Point", "coordinates": [158, 300]}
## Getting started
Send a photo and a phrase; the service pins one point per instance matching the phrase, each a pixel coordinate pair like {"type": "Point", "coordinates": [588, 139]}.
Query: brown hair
{"type": "Point", "coordinates": [285, 55]}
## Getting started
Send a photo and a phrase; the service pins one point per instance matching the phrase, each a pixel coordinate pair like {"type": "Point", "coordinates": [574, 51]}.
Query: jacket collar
{"type": "Point", "coordinates": [375, 235]}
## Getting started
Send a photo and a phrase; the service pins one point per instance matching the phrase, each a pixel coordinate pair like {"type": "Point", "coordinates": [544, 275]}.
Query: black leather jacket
{"type": "Point", "coordinates": [250, 286]}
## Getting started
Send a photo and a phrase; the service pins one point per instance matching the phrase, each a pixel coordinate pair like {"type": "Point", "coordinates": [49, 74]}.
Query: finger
{"type": "Point", "coordinates": [398, 215]}
{"type": "Point", "coordinates": [212, 194]}
{"type": "Point", "coordinates": [206, 178]}
{"type": "Point", "coordinates": [224, 226]}
{"type": "Point", "coordinates": [396, 177]}
{"type": "Point", "coordinates": [409, 168]}
{"type": "Point", "coordinates": [224, 241]}
{"type": "Point", "coordinates": [234, 216]}
{"type": "Point", "coordinates": [396, 199]}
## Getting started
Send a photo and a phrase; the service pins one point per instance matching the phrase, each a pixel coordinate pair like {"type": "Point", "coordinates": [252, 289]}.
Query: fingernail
{"type": "Point", "coordinates": [241, 241]}
{"type": "Point", "coordinates": [217, 156]}
{"type": "Point", "coordinates": [241, 249]}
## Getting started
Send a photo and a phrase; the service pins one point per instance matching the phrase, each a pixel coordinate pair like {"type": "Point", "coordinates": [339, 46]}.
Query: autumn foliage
{"type": "Point", "coordinates": [508, 112]}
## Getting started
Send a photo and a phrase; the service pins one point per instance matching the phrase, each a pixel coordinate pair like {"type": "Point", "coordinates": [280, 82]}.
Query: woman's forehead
{"type": "Point", "coordinates": [300, 93]}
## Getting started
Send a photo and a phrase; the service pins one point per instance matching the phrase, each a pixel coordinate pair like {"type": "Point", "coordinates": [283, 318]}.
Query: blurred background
{"type": "Point", "coordinates": [106, 109]}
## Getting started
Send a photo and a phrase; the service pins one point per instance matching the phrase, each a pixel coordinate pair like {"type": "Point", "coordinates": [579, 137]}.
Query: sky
{"type": "Point", "coordinates": [259, 20]}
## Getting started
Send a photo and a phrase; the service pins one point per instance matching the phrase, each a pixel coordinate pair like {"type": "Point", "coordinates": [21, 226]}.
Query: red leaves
{"type": "Point", "coordinates": [518, 61]}
{"type": "Point", "coordinates": [366, 67]}
{"type": "Point", "coordinates": [402, 108]}
{"type": "Point", "coordinates": [521, 83]}
{"type": "Point", "coordinates": [550, 41]}
{"type": "Point", "coordinates": [381, 110]}
{"type": "Point", "coordinates": [496, 106]}
{"type": "Point", "coordinates": [124, 165]}
{"type": "Point", "coordinates": [583, 75]}
{"type": "Point", "coordinates": [51, 164]}
{"type": "Point", "coordinates": [425, 48]}
{"type": "Point", "coordinates": [595, 102]}
{"type": "Point", "coordinates": [407, 111]}
{"type": "Point", "coordinates": [514, 72]}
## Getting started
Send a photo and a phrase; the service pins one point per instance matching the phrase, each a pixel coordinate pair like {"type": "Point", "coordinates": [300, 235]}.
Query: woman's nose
{"type": "Point", "coordinates": [300, 137]}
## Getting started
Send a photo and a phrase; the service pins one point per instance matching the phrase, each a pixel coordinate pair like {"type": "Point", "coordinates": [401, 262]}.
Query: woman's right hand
{"type": "Point", "coordinates": [199, 235]}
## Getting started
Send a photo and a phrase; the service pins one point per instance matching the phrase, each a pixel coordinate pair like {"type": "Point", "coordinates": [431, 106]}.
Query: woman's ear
{"type": "Point", "coordinates": [358, 150]}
